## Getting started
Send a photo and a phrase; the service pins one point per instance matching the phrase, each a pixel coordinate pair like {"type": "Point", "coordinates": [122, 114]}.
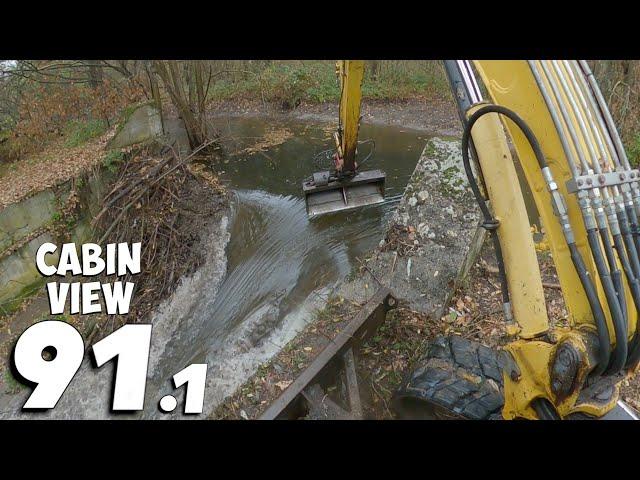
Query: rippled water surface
{"type": "Point", "coordinates": [279, 261]}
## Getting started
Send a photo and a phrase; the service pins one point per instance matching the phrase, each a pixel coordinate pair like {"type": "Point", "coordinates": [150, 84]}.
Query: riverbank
{"type": "Point", "coordinates": [202, 268]}
{"type": "Point", "coordinates": [474, 312]}
{"type": "Point", "coordinates": [436, 115]}
{"type": "Point", "coordinates": [58, 163]}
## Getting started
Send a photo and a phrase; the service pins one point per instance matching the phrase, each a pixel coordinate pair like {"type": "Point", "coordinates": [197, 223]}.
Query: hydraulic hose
{"type": "Point", "coordinates": [631, 266]}
{"type": "Point", "coordinates": [634, 284]}
{"type": "Point", "coordinates": [628, 258]}
{"type": "Point", "coordinates": [617, 152]}
{"type": "Point", "coordinates": [616, 275]}
{"type": "Point", "coordinates": [620, 351]}
{"type": "Point", "coordinates": [633, 225]}
{"type": "Point", "coordinates": [490, 223]}
{"type": "Point", "coordinates": [628, 242]}
{"type": "Point", "coordinates": [619, 356]}
{"type": "Point", "coordinates": [604, 354]}
{"type": "Point", "coordinates": [588, 125]}
{"type": "Point", "coordinates": [632, 246]}
{"type": "Point", "coordinates": [611, 278]}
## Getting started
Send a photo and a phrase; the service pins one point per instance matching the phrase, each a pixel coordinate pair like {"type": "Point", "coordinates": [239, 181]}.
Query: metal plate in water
{"type": "Point", "coordinates": [366, 188]}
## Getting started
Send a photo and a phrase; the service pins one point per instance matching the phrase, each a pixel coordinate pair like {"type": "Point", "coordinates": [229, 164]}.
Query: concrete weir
{"type": "Point", "coordinates": [432, 240]}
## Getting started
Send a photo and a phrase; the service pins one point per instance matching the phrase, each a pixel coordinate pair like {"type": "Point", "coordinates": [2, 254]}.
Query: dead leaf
{"type": "Point", "coordinates": [283, 384]}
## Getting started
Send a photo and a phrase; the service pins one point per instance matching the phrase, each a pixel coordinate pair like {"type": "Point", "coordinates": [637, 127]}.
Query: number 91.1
{"type": "Point", "coordinates": [48, 354]}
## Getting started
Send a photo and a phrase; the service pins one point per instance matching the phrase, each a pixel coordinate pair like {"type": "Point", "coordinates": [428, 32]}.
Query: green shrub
{"type": "Point", "coordinates": [400, 83]}
{"type": "Point", "coordinates": [111, 160]}
{"type": "Point", "coordinates": [287, 84]}
{"type": "Point", "coordinates": [284, 83]}
{"type": "Point", "coordinates": [79, 132]}
{"type": "Point", "coordinates": [633, 150]}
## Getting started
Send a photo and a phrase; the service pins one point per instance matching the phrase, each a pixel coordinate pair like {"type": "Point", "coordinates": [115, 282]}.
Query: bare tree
{"type": "Point", "coordinates": [186, 85]}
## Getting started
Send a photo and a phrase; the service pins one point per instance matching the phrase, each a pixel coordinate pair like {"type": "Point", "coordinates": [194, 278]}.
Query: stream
{"type": "Point", "coordinates": [280, 266]}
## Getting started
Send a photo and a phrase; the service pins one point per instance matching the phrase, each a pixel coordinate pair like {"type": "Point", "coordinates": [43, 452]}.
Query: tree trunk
{"type": "Point", "coordinates": [374, 69]}
{"type": "Point", "coordinates": [155, 93]}
{"type": "Point", "coordinates": [95, 75]}
{"type": "Point", "coordinates": [168, 73]}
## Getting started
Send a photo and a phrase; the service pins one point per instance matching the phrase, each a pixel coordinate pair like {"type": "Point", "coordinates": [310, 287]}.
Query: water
{"type": "Point", "coordinates": [281, 170]}
{"type": "Point", "coordinates": [280, 266]}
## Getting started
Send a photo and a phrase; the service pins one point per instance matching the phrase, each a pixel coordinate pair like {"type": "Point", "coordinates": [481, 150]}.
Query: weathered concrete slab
{"type": "Point", "coordinates": [19, 220]}
{"type": "Point", "coordinates": [433, 238]}
{"type": "Point", "coordinates": [142, 125]}
{"type": "Point", "coordinates": [33, 217]}
{"type": "Point", "coordinates": [18, 272]}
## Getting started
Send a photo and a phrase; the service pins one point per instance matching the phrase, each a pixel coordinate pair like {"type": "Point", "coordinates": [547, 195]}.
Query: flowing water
{"type": "Point", "coordinates": [280, 266]}
{"type": "Point", "coordinates": [270, 205]}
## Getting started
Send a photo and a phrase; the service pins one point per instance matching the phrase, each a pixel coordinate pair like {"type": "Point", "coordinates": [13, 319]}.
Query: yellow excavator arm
{"type": "Point", "coordinates": [586, 193]}
{"type": "Point", "coordinates": [350, 74]}
{"type": "Point", "coordinates": [344, 186]}
{"type": "Point", "coordinates": [588, 198]}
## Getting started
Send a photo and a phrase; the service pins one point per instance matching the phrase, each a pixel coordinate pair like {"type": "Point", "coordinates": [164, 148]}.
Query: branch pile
{"type": "Point", "coordinates": [165, 202]}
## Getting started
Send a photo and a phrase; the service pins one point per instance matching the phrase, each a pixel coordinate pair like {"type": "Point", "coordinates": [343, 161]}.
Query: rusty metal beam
{"type": "Point", "coordinates": [352, 384]}
{"type": "Point", "coordinates": [292, 401]}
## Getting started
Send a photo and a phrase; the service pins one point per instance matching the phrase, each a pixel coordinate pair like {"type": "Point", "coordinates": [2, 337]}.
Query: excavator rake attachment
{"type": "Point", "coordinates": [325, 194]}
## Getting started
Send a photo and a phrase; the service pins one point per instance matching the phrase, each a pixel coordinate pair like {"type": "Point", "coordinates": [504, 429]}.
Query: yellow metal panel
{"type": "Point", "coordinates": [516, 241]}
{"type": "Point", "coordinates": [511, 84]}
{"type": "Point", "coordinates": [351, 74]}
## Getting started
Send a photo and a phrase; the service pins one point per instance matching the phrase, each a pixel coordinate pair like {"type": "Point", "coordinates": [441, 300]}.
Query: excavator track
{"type": "Point", "coordinates": [455, 379]}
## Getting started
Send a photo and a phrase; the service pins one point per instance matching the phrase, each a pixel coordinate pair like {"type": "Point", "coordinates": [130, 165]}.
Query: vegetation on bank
{"type": "Point", "coordinates": [294, 82]}
{"type": "Point", "coordinates": [70, 102]}
{"type": "Point", "coordinates": [79, 132]}
{"type": "Point", "coordinates": [619, 81]}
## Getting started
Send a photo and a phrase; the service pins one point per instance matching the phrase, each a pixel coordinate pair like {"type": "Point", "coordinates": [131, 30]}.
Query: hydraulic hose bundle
{"type": "Point", "coordinates": [607, 190]}
{"type": "Point", "coordinates": [598, 254]}
{"type": "Point", "coordinates": [606, 182]}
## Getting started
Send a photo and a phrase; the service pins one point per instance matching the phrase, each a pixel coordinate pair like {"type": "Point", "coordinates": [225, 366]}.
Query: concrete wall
{"type": "Point", "coordinates": [143, 124]}
{"type": "Point", "coordinates": [438, 218]}
{"type": "Point", "coordinates": [20, 220]}
{"type": "Point", "coordinates": [26, 225]}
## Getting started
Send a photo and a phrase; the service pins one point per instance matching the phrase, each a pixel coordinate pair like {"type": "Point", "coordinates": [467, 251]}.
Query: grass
{"type": "Point", "coordinates": [633, 150]}
{"type": "Point", "coordinates": [111, 160]}
{"type": "Point", "coordinates": [293, 82]}
{"type": "Point", "coordinates": [78, 132]}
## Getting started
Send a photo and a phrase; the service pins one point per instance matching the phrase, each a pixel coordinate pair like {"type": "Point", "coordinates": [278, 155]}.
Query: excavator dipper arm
{"type": "Point", "coordinates": [344, 187]}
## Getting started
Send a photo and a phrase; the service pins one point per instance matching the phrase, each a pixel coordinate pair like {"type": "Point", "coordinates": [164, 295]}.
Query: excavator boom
{"type": "Point", "coordinates": [343, 186]}
{"type": "Point", "coordinates": [588, 197]}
